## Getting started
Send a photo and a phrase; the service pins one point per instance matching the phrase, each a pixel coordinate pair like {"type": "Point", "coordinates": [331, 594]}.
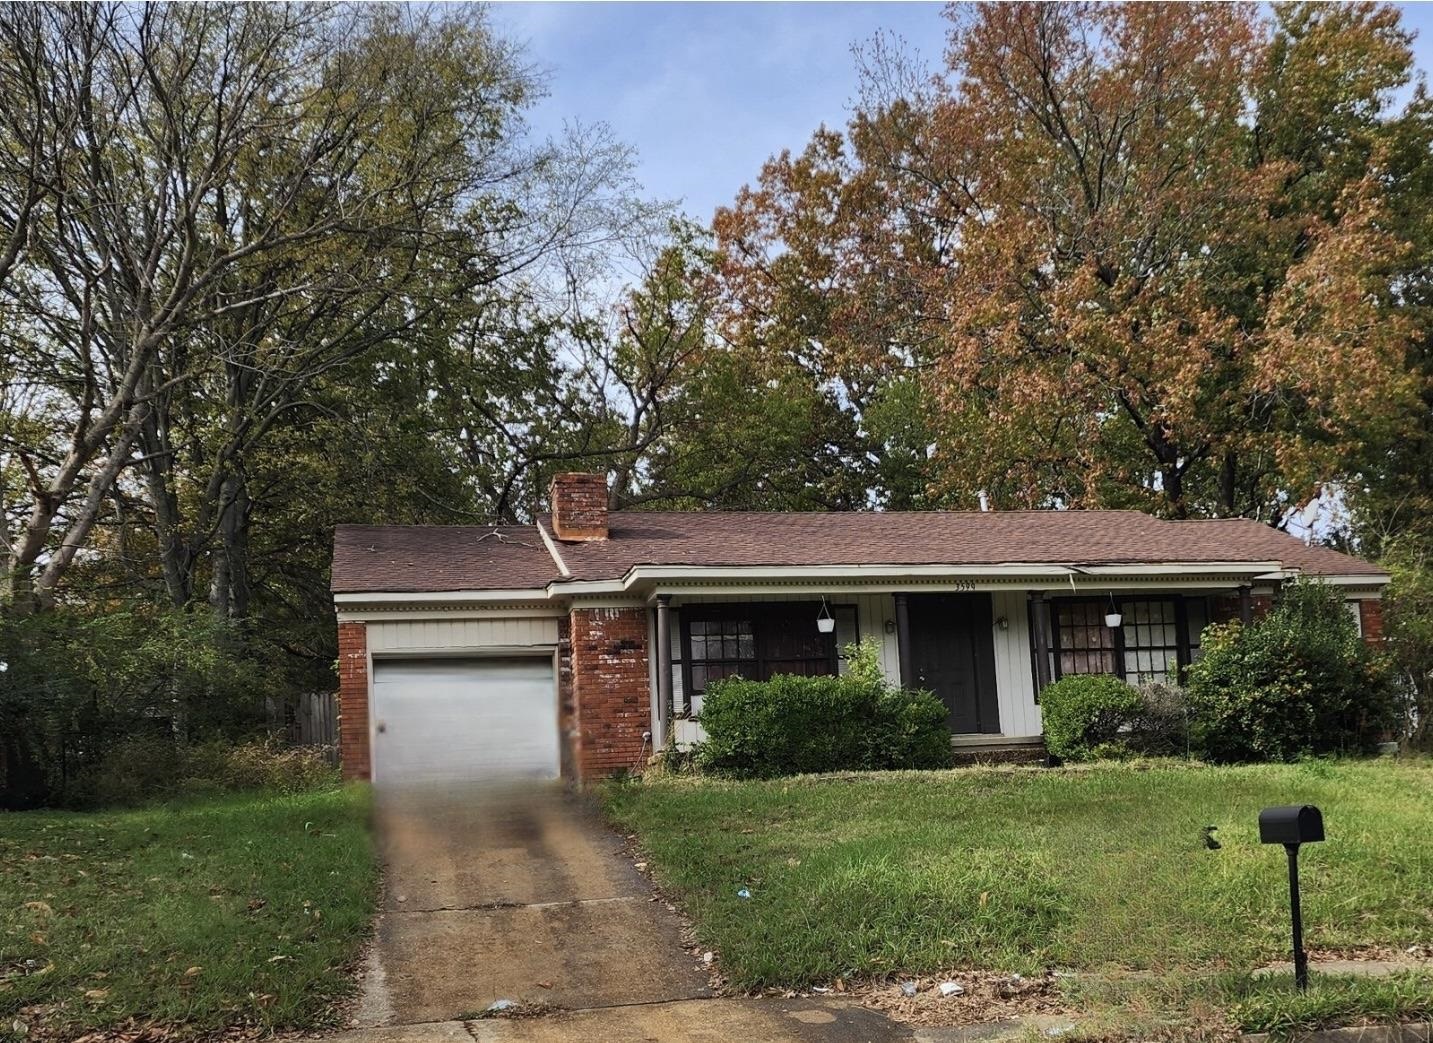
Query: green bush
{"type": "Point", "coordinates": [1300, 681]}
{"type": "Point", "coordinates": [1088, 716]}
{"type": "Point", "coordinates": [795, 725]}
{"type": "Point", "coordinates": [77, 687]}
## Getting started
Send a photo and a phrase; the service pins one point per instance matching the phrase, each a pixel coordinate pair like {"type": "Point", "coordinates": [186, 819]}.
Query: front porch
{"type": "Point", "coordinates": [986, 653]}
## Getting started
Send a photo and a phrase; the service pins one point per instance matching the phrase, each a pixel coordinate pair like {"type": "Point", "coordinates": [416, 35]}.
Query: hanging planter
{"type": "Point", "coordinates": [1113, 619]}
{"type": "Point", "coordinates": [825, 622]}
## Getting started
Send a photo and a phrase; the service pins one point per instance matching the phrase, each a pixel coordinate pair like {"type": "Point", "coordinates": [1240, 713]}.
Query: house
{"type": "Point", "coordinates": [579, 644]}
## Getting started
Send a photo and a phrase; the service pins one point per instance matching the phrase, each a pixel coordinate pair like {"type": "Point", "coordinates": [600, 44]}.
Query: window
{"type": "Point", "coordinates": [1156, 637]}
{"type": "Point", "coordinates": [1086, 645]}
{"type": "Point", "coordinates": [755, 641]}
{"type": "Point", "coordinates": [1151, 641]}
{"type": "Point", "coordinates": [721, 648]}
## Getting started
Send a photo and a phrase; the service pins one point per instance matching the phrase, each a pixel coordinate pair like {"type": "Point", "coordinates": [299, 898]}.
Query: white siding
{"type": "Point", "coordinates": [460, 634]}
{"type": "Point", "coordinates": [1014, 669]}
{"type": "Point", "coordinates": [873, 611]}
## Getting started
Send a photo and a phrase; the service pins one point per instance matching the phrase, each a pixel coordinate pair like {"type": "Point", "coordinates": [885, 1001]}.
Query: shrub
{"type": "Point", "coordinates": [1161, 728]}
{"type": "Point", "coordinates": [793, 725]}
{"type": "Point", "coordinates": [158, 767]}
{"type": "Point", "coordinates": [1300, 681]}
{"type": "Point", "coordinates": [77, 687]}
{"type": "Point", "coordinates": [1088, 716]}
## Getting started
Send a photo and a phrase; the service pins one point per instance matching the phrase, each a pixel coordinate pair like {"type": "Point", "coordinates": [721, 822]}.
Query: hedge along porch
{"type": "Point", "coordinates": [579, 644]}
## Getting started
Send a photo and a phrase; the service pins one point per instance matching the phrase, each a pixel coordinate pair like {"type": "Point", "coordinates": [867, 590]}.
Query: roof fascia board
{"type": "Point", "coordinates": [1352, 579]}
{"type": "Point", "coordinates": [1055, 588]}
{"type": "Point", "coordinates": [475, 598]}
{"type": "Point", "coordinates": [1006, 570]}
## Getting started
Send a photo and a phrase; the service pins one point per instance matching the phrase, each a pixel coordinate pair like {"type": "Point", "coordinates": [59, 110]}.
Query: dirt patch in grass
{"type": "Point", "coordinates": [984, 996]}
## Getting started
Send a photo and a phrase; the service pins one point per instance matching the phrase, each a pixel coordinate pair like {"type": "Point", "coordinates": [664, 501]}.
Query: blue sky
{"type": "Point", "coordinates": [707, 91]}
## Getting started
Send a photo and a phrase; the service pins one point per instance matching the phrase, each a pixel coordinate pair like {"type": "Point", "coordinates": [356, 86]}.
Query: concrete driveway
{"type": "Point", "coordinates": [514, 893]}
{"type": "Point", "coordinates": [522, 894]}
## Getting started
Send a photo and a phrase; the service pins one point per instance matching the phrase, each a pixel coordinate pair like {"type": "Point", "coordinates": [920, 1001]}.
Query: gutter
{"type": "Point", "coordinates": [641, 581]}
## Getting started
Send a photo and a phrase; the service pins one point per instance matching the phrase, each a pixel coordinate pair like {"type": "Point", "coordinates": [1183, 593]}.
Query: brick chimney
{"type": "Point", "coordinates": [579, 506]}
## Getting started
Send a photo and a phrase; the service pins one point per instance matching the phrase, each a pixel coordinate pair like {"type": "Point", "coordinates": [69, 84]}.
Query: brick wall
{"type": "Point", "coordinates": [610, 690]}
{"type": "Point", "coordinates": [1370, 616]}
{"type": "Point", "coordinates": [579, 506]}
{"type": "Point", "coordinates": [353, 700]}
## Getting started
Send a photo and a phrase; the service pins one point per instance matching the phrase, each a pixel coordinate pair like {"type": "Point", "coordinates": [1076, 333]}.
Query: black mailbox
{"type": "Point", "coordinates": [1291, 824]}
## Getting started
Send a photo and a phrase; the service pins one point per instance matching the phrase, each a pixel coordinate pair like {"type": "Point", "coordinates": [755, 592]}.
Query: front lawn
{"type": "Point", "coordinates": [1103, 871]}
{"type": "Point", "coordinates": [239, 910]}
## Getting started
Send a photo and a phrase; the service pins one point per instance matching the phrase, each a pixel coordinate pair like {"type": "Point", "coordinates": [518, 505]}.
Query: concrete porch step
{"type": "Point", "coordinates": [998, 749]}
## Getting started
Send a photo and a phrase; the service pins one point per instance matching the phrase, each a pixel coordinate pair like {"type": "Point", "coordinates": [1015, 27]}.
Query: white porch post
{"type": "Point", "coordinates": [1040, 614]}
{"type": "Point", "coordinates": [664, 672]}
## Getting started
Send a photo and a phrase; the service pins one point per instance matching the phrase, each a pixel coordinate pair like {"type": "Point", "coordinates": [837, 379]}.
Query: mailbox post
{"type": "Point", "coordinates": [1291, 826]}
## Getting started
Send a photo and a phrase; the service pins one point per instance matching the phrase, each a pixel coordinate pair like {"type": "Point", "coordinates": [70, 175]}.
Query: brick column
{"type": "Point", "coordinates": [611, 690]}
{"type": "Point", "coordinates": [353, 701]}
{"type": "Point", "coordinates": [1370, 618]}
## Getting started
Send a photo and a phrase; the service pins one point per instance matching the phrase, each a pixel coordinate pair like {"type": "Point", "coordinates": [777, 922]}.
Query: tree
{"type": "Point", "coordinates": [330, 183]}
{"type": "Point", "coordinates": [1113, 286]}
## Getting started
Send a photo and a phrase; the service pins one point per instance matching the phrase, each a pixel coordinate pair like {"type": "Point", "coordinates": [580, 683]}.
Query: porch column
{"type": "Point", "coordinates": [1039, 614]}
{"type": "Point", "coordinates": [1246, 604]}
{"type": "Point", "coordinates": [903, 641]}
{"type": "Point", "coordinates": [664, 672]}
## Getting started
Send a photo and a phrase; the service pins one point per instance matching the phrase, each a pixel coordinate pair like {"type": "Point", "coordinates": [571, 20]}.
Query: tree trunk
{"type": "Point", "coordinates": [1228, 473]}
{"type": "Point", "coordinates": [173, 549]}
{"type": "Point", "coordinates": [229, 593]}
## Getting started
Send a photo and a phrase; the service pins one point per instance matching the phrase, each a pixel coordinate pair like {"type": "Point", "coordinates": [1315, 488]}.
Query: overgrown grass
{"type": "Point", "coordinates": [236, 910]}
{"type": "Point", "coordinates": [1101, 870]}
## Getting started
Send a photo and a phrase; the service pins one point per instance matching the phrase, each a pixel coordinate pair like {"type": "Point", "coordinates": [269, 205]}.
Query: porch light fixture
{"type": "Point", "coordinates": [825, 622]}
{"type": "Point", "coordinates": [1113, 619]}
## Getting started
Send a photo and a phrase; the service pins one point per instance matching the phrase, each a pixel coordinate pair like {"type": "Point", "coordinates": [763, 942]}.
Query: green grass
{"type": "Point", "coordinates": [1102, 871]}
{"type": "Point", "coordinates": [240, 910]}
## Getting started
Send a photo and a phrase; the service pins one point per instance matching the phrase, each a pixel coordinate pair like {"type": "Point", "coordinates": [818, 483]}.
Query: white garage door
{"type": "Point", "coordinates": [463, 720]}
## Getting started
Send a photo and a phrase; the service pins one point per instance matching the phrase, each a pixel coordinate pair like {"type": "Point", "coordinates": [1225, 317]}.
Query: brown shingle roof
{"type": "Point", "coordinates": [418, 558]}
{"type": "Point", "coordinates": [938, 538]}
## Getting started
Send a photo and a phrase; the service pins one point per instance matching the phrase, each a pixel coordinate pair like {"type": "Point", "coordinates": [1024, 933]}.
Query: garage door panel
{"type": "Point", "coordinates": [461, 720]}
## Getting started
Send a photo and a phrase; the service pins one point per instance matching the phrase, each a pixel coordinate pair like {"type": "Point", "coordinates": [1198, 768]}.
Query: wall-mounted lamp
{"type": "Point", "coordinates": [1002, 623]}
{"type": "Point", "coordinates": [890, 626]}
{"type": "Point", "coordinates": [825, 622]}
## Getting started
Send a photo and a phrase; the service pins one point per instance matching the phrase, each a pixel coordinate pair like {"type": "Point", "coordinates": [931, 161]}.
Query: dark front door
{"type": "Point", "coordinates": [953, 655]}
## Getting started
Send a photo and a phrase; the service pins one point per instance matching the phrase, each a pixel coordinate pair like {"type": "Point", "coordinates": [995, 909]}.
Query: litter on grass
{"type": "Point", "coordinates": [743, 893]}
{"type": "Point", "coordinates": [950, 988]}
{"type": "Point", "coordinates": [908, 988]}
{"type": "Point", "coordinates": [500, 1005]}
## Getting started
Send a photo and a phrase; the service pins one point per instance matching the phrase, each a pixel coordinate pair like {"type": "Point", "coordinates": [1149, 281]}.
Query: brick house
{"type": "Point", "coordinates": [579, 644]}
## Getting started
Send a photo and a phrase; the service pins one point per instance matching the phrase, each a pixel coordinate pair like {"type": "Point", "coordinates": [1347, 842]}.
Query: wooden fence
{"type": "Point", "coordinates": [310, 719]}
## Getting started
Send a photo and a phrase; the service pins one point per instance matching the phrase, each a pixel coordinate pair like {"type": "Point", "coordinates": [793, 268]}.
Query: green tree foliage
{"type": "Point", "coordinates": [1300, 681]}
{"type": "Point", "coordinates": [76, 685]}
